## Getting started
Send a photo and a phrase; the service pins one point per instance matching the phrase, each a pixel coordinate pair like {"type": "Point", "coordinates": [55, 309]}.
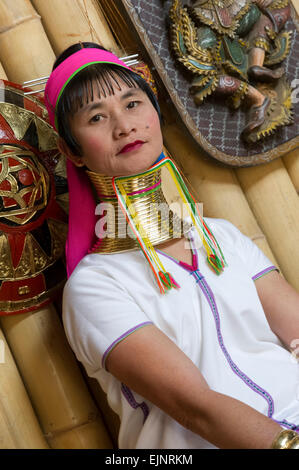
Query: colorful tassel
{"type": "Point", "coordinates": [168, 280]}
{"type": "Point", "coordinates": [165, 281]}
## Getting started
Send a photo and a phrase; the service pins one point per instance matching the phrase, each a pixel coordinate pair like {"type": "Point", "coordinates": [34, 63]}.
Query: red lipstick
{"type": "Point", "coordinates": [130, 147]}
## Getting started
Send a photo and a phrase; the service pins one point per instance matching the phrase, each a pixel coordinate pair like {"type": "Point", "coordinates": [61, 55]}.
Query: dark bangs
{"type": "Point", "coordinates": [81, 90]}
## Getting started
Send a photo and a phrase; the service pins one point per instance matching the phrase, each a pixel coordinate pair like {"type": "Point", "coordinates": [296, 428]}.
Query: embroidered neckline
{"type": "Point", "coordinates": [186, 266]}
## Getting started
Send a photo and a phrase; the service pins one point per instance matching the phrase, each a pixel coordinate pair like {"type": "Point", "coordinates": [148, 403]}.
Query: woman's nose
{"type": "Point", "coordinates": [123, 126]}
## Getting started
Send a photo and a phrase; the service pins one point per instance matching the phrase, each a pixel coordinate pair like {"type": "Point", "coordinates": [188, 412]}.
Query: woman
{"type": "Point", "coordinates": [202, 363]}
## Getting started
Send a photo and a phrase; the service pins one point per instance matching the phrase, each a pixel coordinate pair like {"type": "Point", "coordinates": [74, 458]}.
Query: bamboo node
{"type": "Point", "coordinates": [93, 417]}
{"type": "Point", "coordinates": [258, 236]}
{"type": "Point", "coordinates": [16, 23]}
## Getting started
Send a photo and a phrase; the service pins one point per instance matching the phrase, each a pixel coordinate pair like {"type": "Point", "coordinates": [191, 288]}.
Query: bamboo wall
{"type": "Point", "coordinates": [45, 398]}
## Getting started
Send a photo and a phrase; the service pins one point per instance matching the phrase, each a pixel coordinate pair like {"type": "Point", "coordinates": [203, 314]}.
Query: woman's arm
{"type": "Point", "coordinates": [153, 366]}
{"type": "Point", "coordinates": [281, 305]}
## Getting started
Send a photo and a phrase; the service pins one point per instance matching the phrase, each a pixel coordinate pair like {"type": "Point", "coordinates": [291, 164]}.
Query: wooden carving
{"type": "Point", "coordinates": [234, 50]}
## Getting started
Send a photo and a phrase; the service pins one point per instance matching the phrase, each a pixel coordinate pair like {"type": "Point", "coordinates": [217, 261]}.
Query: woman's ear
{"type": "Point", "coordinates": [65, 150]}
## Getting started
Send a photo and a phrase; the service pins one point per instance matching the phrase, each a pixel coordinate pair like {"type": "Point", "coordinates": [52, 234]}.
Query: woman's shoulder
{"type": "Point", "coordinates": [96, 267]}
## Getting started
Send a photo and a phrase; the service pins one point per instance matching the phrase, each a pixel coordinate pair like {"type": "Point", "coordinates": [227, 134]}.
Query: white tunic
{"type": "Point", "coordinates": [217, 320]}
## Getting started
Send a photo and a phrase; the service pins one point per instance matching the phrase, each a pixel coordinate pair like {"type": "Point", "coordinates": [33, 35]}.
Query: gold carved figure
{"type": "Point", "coordinates": [235, 50]}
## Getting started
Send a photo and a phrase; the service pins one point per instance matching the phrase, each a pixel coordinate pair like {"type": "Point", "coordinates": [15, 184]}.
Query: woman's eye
{"type": "Point", "coordinates": [133, 104]}
{"type": "Point", "coordinates": [96, 118]}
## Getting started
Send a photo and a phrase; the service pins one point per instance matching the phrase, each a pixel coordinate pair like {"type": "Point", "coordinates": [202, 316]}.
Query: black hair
{"type": "Point", "coordinates": [80, 89]}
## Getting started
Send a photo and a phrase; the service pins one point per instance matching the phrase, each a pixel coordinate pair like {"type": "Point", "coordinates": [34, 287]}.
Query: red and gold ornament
{"type": "Point", "coordinates": [33, 204]}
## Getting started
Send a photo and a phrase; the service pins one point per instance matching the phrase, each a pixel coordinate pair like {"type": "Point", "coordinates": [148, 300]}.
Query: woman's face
{"type": "Point", "coordinates": [119, 134]}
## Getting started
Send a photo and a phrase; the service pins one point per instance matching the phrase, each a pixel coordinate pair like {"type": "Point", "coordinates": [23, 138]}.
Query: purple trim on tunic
{"type": "Point", "coordinates": [185, 266]}
{"type": "Point", "coordinates": [128, 394]}
{"type": "Point", "coordinates": [265, 271]}
{"type": "Point", "coordinates": [285, 424]}
{"type": "Point", "coordinates": [118, 340]}
{"type": "Point", "coordinates": [168, 256]}
{"type": "Point", "coordinates": [200, 280]}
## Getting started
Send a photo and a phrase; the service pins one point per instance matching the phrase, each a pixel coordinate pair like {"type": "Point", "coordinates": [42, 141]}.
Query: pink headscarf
{"type": "Point", "coordinates": [82, 219]}
{"type": "Point", "coordinates": [68, 69]}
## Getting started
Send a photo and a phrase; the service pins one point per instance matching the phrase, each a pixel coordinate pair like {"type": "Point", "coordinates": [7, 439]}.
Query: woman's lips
{"type": "Point", "coordinates": [133, 146]}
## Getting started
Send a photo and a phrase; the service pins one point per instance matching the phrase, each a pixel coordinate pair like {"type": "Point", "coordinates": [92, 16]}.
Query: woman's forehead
{"type": "Point", "coordinates": [120, 96]}
{"type": "Point", "coordinates": [102, 92]}
{"type": "Point", "coordinates": [98, 86]}
{"type": "Point", "coordinates": [108, 87]}
{"type": "Point", "coordinates": [96, 103]}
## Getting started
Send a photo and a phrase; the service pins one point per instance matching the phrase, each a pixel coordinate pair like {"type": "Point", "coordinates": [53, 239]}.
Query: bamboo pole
{"type": "Point", "coordinates": [216, 187]}
{"type": "Point", "coordinates": [19, 427]}
{"type": "Point", "coordinates": [275, 203]}
{"type": "Point", "coordinates": [25, 52]}
{"type": "Point", "coordinates": [70, 21]}
{"type": "Point", "coordinates": [53, 379]}
{"type": "Point", "coordinates": [86, 437]}
{"type": "Point", "coordinates": [111, 419]}
{"type": "Point", "coordinates": [291, 161]}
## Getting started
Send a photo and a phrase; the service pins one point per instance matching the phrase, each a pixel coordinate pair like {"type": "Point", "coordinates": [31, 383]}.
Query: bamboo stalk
{"type": "Point", "coordinates": [70, 21]}
{"type": "Point", "coordinates": [52, 378]}
{"type": "Point", "coordinates": [111, 419]}
{"type": "Point", "coordinates": [291, 161]}
{"type": "Point", "coordinates": [118, 25]}
{"type": "Point", "coordinates": [19, 428]}
{"type": "Point", "coordinates": [275, 203]}
{"type": "Point", "coordinates": [25, 51]}
{"type": "Point", "coordinates": [86, 436]}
